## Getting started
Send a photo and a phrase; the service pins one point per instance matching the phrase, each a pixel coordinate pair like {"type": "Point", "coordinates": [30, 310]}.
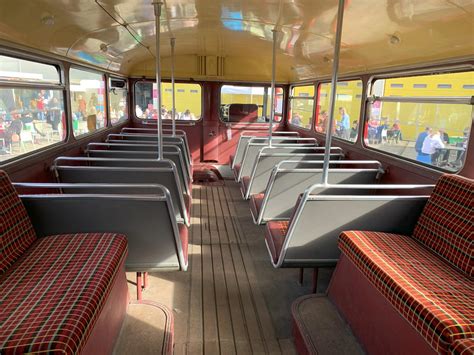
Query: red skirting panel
{"type": "Point", "coordinates": [374, 321]}
{"type": "Point", "coordinates": [107, 328]}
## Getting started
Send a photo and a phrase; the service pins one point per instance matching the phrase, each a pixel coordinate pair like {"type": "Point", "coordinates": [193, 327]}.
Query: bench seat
{"type": "Point", "coordinates": [415, 281]}
{"type": "Point", "coordinates": [53, 294]}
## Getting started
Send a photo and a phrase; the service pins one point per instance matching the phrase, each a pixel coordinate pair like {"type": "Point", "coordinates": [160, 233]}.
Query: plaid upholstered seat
{"type": "Point", "coordinates": [426, 277]}
{"type": "Point", "coordinates": [256, 202]}
{"type": "Point", "coordinates": [275, 234]}
{"type": "Point", "coordinates": [463, 347]}
{"type": "Point", "coordinates": [52, 289]}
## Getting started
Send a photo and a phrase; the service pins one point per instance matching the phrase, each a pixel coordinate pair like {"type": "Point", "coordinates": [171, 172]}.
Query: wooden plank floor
{"type": "Point", "coordinates": [231, 300]}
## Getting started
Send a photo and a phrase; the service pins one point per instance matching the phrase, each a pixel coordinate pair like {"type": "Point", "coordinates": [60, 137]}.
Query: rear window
{"type": "Point", "coordinates": [249, 104]}
{"type": "Point", "coordinates": [188, 101]}
{"type": "Point", "coordinates": [423, 118]}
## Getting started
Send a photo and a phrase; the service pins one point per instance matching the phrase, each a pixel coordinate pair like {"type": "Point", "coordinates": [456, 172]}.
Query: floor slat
{"type": "Point", "coordinates": [230, 300]}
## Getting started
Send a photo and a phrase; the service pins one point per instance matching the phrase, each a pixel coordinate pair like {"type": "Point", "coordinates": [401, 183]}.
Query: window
{"type": "Point", "coordinates": [346, 109]}
{"type": "Point", "coordinates": [118, 104]}
{"type": "Point", "coordinates": [430, 125]}
{"type": "Point", "coordinates": [249, 104]}
{"type": "Point", "coordinates": [188, 100]}
{"type": "Point", "coordinates": [16, 69]}
{"type": "Point", "coordinates": [301, 106]}
{"type": "Point", "coordinates": [87, 101]}
{"type": "Point", "coordinates": [31, 118]}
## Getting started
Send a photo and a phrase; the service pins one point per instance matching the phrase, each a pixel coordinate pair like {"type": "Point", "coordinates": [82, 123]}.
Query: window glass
{"type": "Point", "coordinates": [249, 104]}
{"type": "Point", "coordinates": [30, 119]}
{"type": "Point", "coordinates": [24, 70]}
{"type": "Point", "coordinates": [346, 109]}
{"type": "Point", "coordinates": [87, 101]}
{"type": "Point", "coordinates": [302, 106]}
{"type": "Point", "coordinates": [188, 100]}
{"type": "Point", "coordinates": [431, 133]}
{"type": "Point", "coordinates": [118, 96]}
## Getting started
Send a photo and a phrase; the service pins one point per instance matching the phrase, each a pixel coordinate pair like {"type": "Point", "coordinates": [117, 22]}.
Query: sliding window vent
{"type": "Point", "coordinates": [211, 65]}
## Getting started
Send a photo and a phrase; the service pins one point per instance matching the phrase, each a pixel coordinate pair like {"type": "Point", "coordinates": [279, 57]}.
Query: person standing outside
{"type": "Point", "coordinates": [431, 146]}
{"type": "Point", "coordinates": [345, 124]}
{"type": "Point", "coordinates": [420, 156]}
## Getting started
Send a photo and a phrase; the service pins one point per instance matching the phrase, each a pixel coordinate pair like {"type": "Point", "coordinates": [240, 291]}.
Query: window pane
{"type": "Point", "coordinates": [25, 70]}
{"type": "Point", "coordinates": [87, 101]}
{"type": "Point", "coordinates": [30, 119]}
{"type": "Point", "coordinates": [303, 91]}
{"type": "Point", "coordinates": [346, 108]}
{"type": "Point", "coordinates": [431, 133]}
{"type": "Point", "coordinates": [188, 100]}
{"type": "Point", "coordinates": [248, 104]}
{"type": "Point", "coordinates": [118, 101]}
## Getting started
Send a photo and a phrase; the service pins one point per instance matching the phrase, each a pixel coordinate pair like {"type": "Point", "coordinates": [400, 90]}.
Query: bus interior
{"type": "Point", "coordinates": [237, 177]}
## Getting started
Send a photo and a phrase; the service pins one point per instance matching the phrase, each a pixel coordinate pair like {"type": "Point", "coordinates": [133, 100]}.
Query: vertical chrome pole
{"type": "Point", "coordinates": [332, 98]}
{"type": "Point", "coordinates": [173, 42]}
{"type": "Point", "coordinates": [157, 6]}
{"type": "Point", "coordinates": [272, 96]}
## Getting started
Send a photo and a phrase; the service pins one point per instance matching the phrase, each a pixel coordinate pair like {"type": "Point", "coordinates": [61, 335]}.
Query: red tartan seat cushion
{"type": "Point", "coordinates": [435, 298]}
{"type": "Point", "coordinates": [446, 224]}
{"type": "Point", "coordinates": [275, 234]}
{"type": "Point", "coordinates": [463, 347]}
{"type": "Point", "coordinates": [245, 182]}
{"type": "Point", "coordinates": [256, 202]}
{"type": "Point", "coordinates": [54, 293]}
{"type": "Point", "coordinates": [16, 230]}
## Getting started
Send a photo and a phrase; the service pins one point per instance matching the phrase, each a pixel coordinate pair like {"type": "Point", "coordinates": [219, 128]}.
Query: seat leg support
{"type": "Point", "coordinates": [315, 280]}
{"type": "Point", "coordinates": [145, 280]}
{"type": "Point", "coordinates": [139, 285]}
{"type": "Point", "coordinates": [301, 276]}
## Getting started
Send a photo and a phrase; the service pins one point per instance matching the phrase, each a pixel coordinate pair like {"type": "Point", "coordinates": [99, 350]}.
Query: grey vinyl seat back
{"type": "Point", "coordinates": [137, 138]}
{"type": "Point", "coordinates": [268, 158]}
{"type": "Point", "coordinates": [166, 176]}
{"type": "Point", "coordinates": [247, 135]}
{"type": "Point", "coordinates": [169, 152]}
{"type": "Point", "coordinates": [147, 220]}
{"type": "Point", "coordinates": [311, 239]}
{"type": "Point", "coordinates": [167, 131]}
{"type": "Point", "coordinates": [256, 144]}
{"type": "Point", "coordinates": [130, 162]}
{"type": "Point", "coordinates": [153, 131]}
{"type": "Point", "coordinates": [289, 179]}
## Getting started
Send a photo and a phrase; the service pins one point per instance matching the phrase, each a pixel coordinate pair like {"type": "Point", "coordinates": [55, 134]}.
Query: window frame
{"type": "Point", "coordinates": [314, 98]}
{"type": "Point", "coordinates": [362, 111]}
{"type": "Point", "coordinates": [134, 102]}
{"type": "Point", "coordinates": [32, 85]}
{"type": "Point", "coordinates": [106, 101]}
{"type": "Point", "coordinates": [265, 87]}
{"type": "Point", "coordinates": [407, 74]}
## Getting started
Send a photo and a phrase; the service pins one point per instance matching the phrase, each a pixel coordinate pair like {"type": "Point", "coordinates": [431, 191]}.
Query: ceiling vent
{"type": "Point", "coordinates": [211, 65]}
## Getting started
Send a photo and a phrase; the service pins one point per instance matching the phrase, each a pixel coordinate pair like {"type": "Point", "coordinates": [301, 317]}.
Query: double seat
{"type": "Point", "coordinates": [425, 276]}
{"type": "Point", "coordinates": [60, 293]}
